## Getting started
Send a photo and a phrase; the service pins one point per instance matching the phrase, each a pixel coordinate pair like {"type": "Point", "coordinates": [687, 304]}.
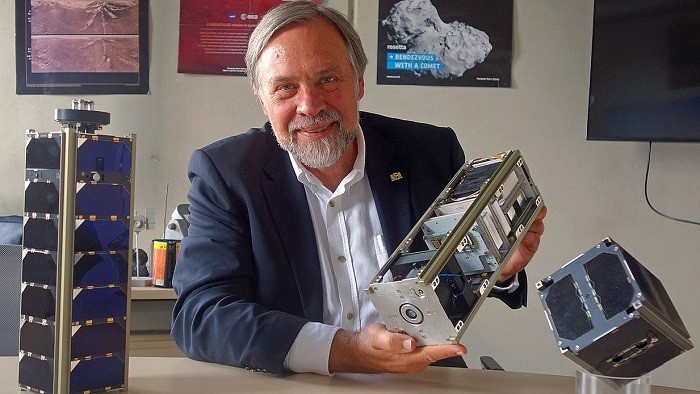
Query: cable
{"type": "Point", "coordinates": [165, 210]}
{"type": "Point", "coordinates": [464, 288]}
{"type": "Point", "coordinates": [646, 195]}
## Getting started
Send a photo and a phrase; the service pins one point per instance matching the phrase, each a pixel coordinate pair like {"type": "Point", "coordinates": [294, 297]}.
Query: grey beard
{"type": "Point", "coordinates": [322, 153]}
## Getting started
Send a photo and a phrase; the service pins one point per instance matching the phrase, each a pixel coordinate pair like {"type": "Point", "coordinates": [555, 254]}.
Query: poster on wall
{"type": "Point", "coordinates": [445, 42]}
{"type": "Point", "coordinates": [214, 34]}
{"type": "Point", "coordinates": [82, 47]}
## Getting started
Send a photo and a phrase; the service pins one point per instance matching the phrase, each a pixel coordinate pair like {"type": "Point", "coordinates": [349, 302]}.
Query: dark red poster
{"type": "Point", "coordinates": [214, 34]}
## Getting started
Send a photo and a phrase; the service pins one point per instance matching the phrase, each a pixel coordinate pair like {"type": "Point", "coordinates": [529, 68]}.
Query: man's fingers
{"type": "Point", "coordinates": [526, 249]}
{"type": "Point", "coordinates": [392, 342]}
{"type": "Point", "coordinates": [435, 353]}
{"type": "Point", "coordinates": [375, 349]}
{"type": "Point", "coordinates": [542, 213]}
{"type": "Point", "coordinates": [537, 227]}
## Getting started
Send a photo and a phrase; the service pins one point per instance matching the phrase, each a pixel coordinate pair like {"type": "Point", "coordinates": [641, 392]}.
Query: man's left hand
{"type": "Point", "coordinates": [527, 248]}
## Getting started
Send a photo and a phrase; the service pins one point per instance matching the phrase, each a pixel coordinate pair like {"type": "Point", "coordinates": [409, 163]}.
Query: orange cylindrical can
{"type": "Point", "coordinates": [164, 254]}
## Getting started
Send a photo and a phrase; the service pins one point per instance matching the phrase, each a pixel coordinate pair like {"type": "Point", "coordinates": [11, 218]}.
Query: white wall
{"type": "Point", "coordinates": [592, 189]}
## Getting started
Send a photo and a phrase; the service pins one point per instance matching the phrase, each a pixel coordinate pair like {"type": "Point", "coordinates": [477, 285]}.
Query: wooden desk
{"type": "Point", "coordinates": [154, 375]}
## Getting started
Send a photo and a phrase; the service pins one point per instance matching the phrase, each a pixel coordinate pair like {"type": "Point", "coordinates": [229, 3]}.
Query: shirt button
{"type": "Point", "coordinates": [350, 315]}
{"type": "Point", "coordinates": [341, 259]}
{"type": "Point", "coordinates": [331, 203]}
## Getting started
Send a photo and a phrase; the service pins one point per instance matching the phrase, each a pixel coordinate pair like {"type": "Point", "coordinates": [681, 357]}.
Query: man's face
{"type": "Point", "coordinates": [308, 90]}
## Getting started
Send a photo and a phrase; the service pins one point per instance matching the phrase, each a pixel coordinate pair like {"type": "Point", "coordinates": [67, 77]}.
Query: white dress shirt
{"type": "Point", "coordinates": [351, 251]}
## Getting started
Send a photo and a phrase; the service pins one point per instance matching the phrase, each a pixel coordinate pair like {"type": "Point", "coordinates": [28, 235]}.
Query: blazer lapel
{"type": "Point", "coordinates": [389, 180]}
{"type": "Point", "coordinates": [290, 213]}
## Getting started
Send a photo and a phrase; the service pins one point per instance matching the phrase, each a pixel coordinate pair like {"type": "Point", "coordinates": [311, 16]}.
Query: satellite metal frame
{"type": "Point", "coordinates": [434, 326]}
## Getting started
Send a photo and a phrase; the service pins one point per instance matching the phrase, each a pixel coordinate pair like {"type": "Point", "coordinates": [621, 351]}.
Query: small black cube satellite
{"type": "Point", "coordinates": [610, 315]}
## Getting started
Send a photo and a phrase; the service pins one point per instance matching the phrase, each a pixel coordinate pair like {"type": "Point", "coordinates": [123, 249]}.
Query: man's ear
{"type": "Point", "coordinates": [360, 88]}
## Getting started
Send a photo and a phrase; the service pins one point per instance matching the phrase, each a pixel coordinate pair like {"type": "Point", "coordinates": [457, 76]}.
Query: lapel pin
{"type": "Point", "coordinates": [395, 176]}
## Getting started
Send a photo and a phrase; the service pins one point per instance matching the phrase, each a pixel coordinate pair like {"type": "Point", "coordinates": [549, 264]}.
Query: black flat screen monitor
{"type": "Point", "coordinates": [645, 71]}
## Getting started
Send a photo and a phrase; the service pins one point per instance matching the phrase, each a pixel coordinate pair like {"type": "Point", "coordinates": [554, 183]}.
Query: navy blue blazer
{"type": "Point", "coordinates": [248, 275]}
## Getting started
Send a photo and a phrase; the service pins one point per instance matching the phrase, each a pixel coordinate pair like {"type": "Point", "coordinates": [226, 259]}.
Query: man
{"type": "Point", "coordinates": [290, 222]}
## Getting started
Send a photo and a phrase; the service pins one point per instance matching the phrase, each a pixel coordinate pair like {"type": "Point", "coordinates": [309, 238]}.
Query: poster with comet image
{"type": "Point", "coordinates": [445, 42]}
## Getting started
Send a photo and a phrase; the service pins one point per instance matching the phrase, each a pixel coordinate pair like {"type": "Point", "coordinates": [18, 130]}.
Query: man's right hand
{"type": "Point", "coordinates": [375, 350]}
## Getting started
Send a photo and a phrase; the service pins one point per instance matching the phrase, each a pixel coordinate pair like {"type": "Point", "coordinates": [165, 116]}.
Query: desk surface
{"type": "Point", "coordinates": [152, 293]}
{"type": "Point", "coordinates": [155, 375]}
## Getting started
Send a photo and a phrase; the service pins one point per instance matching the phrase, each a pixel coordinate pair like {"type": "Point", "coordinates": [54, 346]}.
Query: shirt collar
{"type": "Point", "coordinates": [358, 169]}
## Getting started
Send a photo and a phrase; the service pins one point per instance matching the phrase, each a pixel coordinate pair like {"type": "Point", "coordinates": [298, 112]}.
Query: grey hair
{"type": "Point", "coordinates": [300, 12]}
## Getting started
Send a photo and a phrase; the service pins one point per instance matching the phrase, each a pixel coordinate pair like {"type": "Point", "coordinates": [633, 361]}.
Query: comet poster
{"type": "Point", "coordinates": [445, 42]}
{"type": "Point", "coordinates": [214, 34]}
{"type": "Point", "coordinates": [82, 46]}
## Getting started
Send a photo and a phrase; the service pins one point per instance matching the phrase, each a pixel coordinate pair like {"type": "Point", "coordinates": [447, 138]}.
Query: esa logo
{"type": "Point", "coordinates": [249, 16]}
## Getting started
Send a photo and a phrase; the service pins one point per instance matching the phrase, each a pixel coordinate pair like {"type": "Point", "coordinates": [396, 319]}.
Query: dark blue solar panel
{"type": "Point", "coordinates": [44, 153]}
{"type": "Point", "coordinates": [36, 373]}
{"type": "Point", "coordinates": [104, 155]}
{"type": "Point", "coordinates": [41, 197]}
{"type": "Point", "coordinates": [98, 340]}
{"type": "Point", "coordinates": [99, 303]}
{"type": "Point", "coordinates": [102, 200]}
{"type": "Point", "coordinates": [90, 236]}
{"type": "Point", "coordinates": [101, 235]}
{"type": "Point", "coordinates": [97, 373]}
{"type": "Point", "coordinates": [100, 269]}
{"type": "Point", "coordinates": [38, 302]}
{"type": "Point", "coordinates": [107, 160]}
{"type": "Point", "coordinates": [39, 268]}
{"type": "Point", "coordinates": [41, 234]}
{"type": "Point", "coordinates": [37, 339]}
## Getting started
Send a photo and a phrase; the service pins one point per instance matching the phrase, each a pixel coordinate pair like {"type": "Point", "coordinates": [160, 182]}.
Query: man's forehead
{"type": "Point", "coordinates": [279, 75]}
{"type": "Point", "coordinates": [325, 54]}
